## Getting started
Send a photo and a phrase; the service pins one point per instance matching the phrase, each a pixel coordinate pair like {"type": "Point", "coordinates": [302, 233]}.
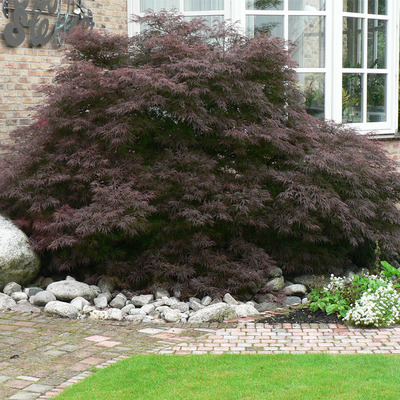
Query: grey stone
{"type": "Point", "coordinates": [31, 291]}
{"type": "Point", "coordinates": [195, 304]}
{"type": "Point", "coordinates": [228, 299]}
{"type": "Point", "coordinates": [267, 306]}
{"type": "Point", "coordinates": [119, 301]}
{"type": "Point", "coordinates": [296, 289]}
{"type": "Point", "coordinates": [6, 302]}
{"type": "Point", "coordinates": [25, 306]}
{"type": "Point", "coordinates": [18, 262]}
{"type": "Point", "coordinates": [262, 298]}
{"type": "Point", "coordinates": [106, 284]}
{"type": "Point", "coordinates": [79, 303]}
{"type": "Point", "coordinates": [127, 309]}
{"type": "Point", "coordinates": [99, 315]}
{"type": "Point", "coordinates": [70, 278]}
{"type": "Point", "coordinates": [181, 306]}
{"type": "Point", "coordinates": [100, 301]}
{"type": "Point", "coordinates": [148, 308]}
{"type": "Point", "coordinates": [135, 311]}
{"type": "Point", "coordinates": [243, 310]}
{"type": "Point", "coordinates": [206, 301]}
{"type": "Point", "coordinates": [61, 309]}
{"type": "Point", "coordinates": [68, 290]}
{"type": "Point", "coordinates": [177, 293]}
{"type": "Point", "coordinates": [135, 317]}
{"type": "Point", "coordinates": [171, 315]}
{"type": "Point", "coordinates": [88, 309]}
{"type": "Point", "coordinates": [95, 289]}
{"type": "Point", "coordinates": [292, 301]}
{"type": "Point", "coordinates": [115, 314]}
{"type": "Point", "coordinates": [12, 287]}
{"type": "Point", "coordinates": [275, 284]}
{"type": "Point", "coordinates": [160, 292]}
{"type": "Point", "coordinates": [46, 282]}
{"type": "Point", "coordinates": [18, 296]}
{"type": "Point", "coordinates": [170, 301]}
{"type": "Point", "coordinates": [42, 298]}
{"type": "Point", "coordinates": [142, 300]}
{"type": "Point", "coordinates": [311, 281]}
{"type": "Point", "coordinates": [274, 272]}
{"type": "Point", "coordinates": [214, 313]}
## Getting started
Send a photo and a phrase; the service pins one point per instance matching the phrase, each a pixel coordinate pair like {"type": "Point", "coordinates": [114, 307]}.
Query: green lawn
{"type": "Point", "coordinates": [244, 377]}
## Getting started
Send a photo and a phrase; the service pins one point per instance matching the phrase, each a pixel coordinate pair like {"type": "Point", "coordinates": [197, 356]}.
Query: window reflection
{"type": "Point", "coordinates": [307, 35]}
{"type": "Point", "coordinates": [203, 5]}
{"type": "Point", "coordinates": [355, 6]}
{"type": "Point", "coordinates": [269, 24]}
{"type": "Point", "coordinates": [352, 42]}
{"type": "Point", "coordinates": [158, 5]}
{"type": "Point", "coordinates": [307, 5]}
{"type": "Point", "coordinates": [377, 7]}
{"type": "Point", "coordinates": [376, 98]}
{"type": "Point", "coordinates": [352, 94]}
{"type": "Point", "coordinates": [264, 4]}
{"type": "Point", "coordinates": [376, 43]}
{"type": "Point", "coordinates": [313, 88]}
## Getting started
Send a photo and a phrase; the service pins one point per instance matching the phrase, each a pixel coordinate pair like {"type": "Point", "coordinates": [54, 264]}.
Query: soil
{"type": "Point", "coordinates": [299, 316]}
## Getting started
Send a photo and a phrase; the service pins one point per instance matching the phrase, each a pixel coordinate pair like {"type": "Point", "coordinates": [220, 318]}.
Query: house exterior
{"type": "Point", "coordinates": [346, 51]}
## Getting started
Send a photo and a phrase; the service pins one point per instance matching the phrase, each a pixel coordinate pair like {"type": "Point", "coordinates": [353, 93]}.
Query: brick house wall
{"type": "Point", "coordinates": [24, 68]}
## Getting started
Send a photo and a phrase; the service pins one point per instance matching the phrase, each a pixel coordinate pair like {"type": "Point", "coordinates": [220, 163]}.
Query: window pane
{"type": "Point", "coordinates": [352, 98]}
{"type": "Point", "coordinates": [313, 87]}
{"type": "Point", "coordinates": [158, 5]}
{"type": "Point", "coordinates": [210, 20]}
{"type": "Point", "coordinates": [307, 5]}
{"type": "Point", "coordinates": [352, 43]}
{"type": "Point", "coordinates": [376, 98]}
{"type": "Point", "coordinates": [376, 43]}
{"type": "Point", "coordinates": [377, 7]}
{"type": "Point", "coordinates": [204, 5]}
{"type": "Point", "coordinates": [272, 24]}
{"type": "Point", "coordinates": [353, 6]}
{"type": "Point", "coordinates": [264, 4]}
{"type": "Point", "coordinates": [308, 37]}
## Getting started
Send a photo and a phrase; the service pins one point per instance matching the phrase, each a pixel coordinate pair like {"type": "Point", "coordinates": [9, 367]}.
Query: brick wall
{"type": "Point", "coordinates": [24, 68]}
{"type": "Point", "coordinates": [392, 146]}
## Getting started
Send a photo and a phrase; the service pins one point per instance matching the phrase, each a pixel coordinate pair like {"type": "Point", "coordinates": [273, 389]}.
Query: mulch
{"type": "Point", "coordinates": [299, 316]}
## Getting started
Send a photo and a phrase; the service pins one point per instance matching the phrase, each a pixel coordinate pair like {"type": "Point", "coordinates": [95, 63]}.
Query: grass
{"type": "Point", "coordinates": [244, 377]}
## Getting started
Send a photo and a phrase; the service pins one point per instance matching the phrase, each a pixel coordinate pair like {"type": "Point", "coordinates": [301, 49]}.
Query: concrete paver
{"type": "Point", "coordinates": [40, 356]}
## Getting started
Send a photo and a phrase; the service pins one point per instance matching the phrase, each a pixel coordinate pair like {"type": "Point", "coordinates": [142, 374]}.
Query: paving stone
{"type": "Point", "coordinates": [25, 396]}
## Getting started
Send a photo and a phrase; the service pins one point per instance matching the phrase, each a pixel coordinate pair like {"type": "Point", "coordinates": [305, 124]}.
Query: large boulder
{"type": "Point", "coordinates": [61, 309]}
{"type": "Point", "coordinates": [67, 290]}
{"type": "Point", "coordinates": [215, 313]}
{"type": "Point", "coordinates": [18, 262]}
{"type": "Point", "coordinates": [6, 302]}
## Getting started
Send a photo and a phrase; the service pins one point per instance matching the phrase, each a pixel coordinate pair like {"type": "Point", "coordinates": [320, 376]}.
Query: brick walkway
{"type": "Point", "coordinates": [40, 355]}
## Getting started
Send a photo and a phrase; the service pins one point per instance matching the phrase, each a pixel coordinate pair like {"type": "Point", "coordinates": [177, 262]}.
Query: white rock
{"type": "Point", "coordinates": [18, 262]}
{"type": "Point", "coordinates": [275, 284]}
{"type": "Point", "coordinates": [243, 310]}
{"type": "Point", "coordinates": [171, 315]}
{"type": "Point", "coordinates": [296, 289]}
{"type": "Point", "coordinates": [70, 278]}
{"type": "Point", "coordinates": [95, 289]}
{"type": "Point", "coordinates": [214, 313]}
{"type": "Point", "coordinates": [206, 301]}
{"type": "Point", "coordinates": [142, 300]}
{"type": "Point", "coordinates": [42, 298]}
{"type": "Point", "coordinates": [79, 303]}
{"type": "Point", "coordinates": [170, 301]}
{"type": "Point", "coordinates": [68, 290]}
{"type": "Point", "coordinates": [195, 304]}
{"type": "Point", "coordinates": [181, 306]}
{"type": "Point", "coordinates": [292, 301]}
{"type": "Point", "coordinates": [147, 319]}
{"type": "Point", "coordinates": [98, 315]}
{"type": "Point", "coordinates": [25, 306]}
{"type": "Point", "coordinates": [18, 296]}
{"type": "Point", "coordinates": [12, 287]}
{"type": "Point", "coordinates": [61, 309]}
{"type": "Point", "coordinates": [119, 301]}
{"type": "Point", "coordinates": [135, 317]}
{"type": "Point", "coordinates": [6, 302]}
{"type": "Point", "coordinates": [115, 314]}
{"type": "Point", "coordinates": [148, 308]}
{"type": "Point", "coordinates": [228, 299]}
{"type": "Point", "coordinates": [136, 311]}
{"type": "Point", "coordinates": [159, 293]}
{"type": "Point", "coordinates": [88, 309]}
{"type": "Point", "coordinates": [127, 309]}
{"type": "Point", "coordinates": [100, 301]}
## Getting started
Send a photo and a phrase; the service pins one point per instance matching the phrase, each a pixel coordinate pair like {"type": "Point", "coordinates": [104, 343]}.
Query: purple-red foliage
{"type": "Point", "coordinates": [184, 156]}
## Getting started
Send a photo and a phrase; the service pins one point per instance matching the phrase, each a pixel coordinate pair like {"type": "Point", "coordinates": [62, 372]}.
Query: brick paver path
{"type": "Point", "coordinates": [41, 355]}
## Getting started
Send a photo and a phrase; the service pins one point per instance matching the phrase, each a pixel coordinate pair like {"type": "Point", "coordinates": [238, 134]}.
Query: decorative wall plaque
{"type": "Point", "coordinates": [36, 21]}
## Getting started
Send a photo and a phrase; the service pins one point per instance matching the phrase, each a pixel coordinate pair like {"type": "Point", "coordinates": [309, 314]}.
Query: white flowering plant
{"type": "Point", "coordinates": [365, 299]}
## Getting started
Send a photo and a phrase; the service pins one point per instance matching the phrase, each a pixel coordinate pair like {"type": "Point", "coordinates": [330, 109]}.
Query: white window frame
{"type": "Point", "coordinates": [235, 10]}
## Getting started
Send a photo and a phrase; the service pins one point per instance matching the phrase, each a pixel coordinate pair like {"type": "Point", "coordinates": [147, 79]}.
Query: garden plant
{"type": "Point", "coordinates": [185, 156]}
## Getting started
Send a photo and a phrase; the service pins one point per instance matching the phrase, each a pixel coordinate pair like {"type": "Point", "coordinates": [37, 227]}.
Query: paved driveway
{"type": "Point", "coordinates": [40, 355]}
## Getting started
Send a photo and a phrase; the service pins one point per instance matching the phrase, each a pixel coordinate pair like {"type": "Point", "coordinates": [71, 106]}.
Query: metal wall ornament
{"type": "Point", "coordinates": [36, 21]}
